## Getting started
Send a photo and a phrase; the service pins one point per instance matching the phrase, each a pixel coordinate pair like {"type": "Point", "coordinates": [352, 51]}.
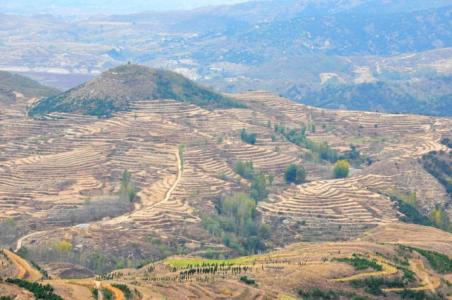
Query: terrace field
{"type": "Point", "coordinates": [68, 205]}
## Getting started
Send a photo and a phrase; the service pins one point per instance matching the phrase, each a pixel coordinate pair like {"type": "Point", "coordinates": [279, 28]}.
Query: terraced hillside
{"type": "Point", "coordinates": [61, 186]}
{"type": "Point", "coordinates": [381, 265]}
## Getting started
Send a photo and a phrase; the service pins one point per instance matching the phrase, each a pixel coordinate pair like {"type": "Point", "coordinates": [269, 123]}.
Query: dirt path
{"type": "Point", "coordinates": [179, 175]}
{"type": "Point", "coordinates": [20, 241]}
{"type": "Point", "coordinates": [430, 282]}
{"type": "Point", "coordinates": [26, 271]}
{"type": "Point", "coordinates": [168, 194]}
{"type": "Point", "coordinates": [387, 270]}
{"type": "Point", "coordinates": [117, 293]}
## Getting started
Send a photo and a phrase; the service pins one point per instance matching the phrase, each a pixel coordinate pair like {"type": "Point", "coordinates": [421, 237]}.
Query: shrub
{"type": "Point", "coordinates": [107, 294]}
{"type": "Point", "coordinates": [299, 138]}
{"type": "Point", "coordinates": [407, 205]}
{"type": "Point", "coordinates": [128, 191]}
{"type": "Point", "coordinates": [245, 169]}
{"type": "Point", "coordinates": [341, 169]}
{"type": "Point", "coordinates": [318, 294]}
{"type": "Point", "coordinates": [441, 263]}
{"type": "Point", "coordinates": [417, 295]}
{"type": "Point", "coordinates": [63, 246]}
{"type": "Point", "coordinates": [447, 142]}
{"type": "Point", "coordinates": [361, 263]}
{"type": "Point", "coordinates": [439, 165]}
{"type": "Point", "coordinates": [40, 291]}
{"type": "Point", "coordinates": [125, 289]}
{"type": "Point", "coordinates": [249, 138]}
{"type": "Point", "coordinates": [295, 174]}
{"type": "Point", "coordinates": [237, 224]}
{"type": "Point", "coordinates": [374, 285]}
{"type": "Point", "coordinates": [440, 218]}
{"type": "Point", "coordinates": [247, 280]}
{"type": "Point", "coordinates": [95, 293]}
{"type": "Point", "coordinates": [258, 189]}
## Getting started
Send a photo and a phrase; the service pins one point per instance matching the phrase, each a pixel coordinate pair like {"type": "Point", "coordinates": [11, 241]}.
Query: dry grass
{"type": "Point", "coordinates": [79, 158]}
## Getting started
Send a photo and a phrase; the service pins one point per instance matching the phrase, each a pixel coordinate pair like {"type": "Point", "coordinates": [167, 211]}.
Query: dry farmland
{"type": "Point", "coordinates": [60, 178]}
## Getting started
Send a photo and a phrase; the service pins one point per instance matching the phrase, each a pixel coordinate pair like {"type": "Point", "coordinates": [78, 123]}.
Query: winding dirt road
{"type": "Point", "coordinates": [430, 282]}
{"type": "Point", "coordinates": [26, 271]}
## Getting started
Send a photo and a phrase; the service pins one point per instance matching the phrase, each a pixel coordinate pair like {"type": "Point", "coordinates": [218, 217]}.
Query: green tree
{"type": "Point", "coordinates": [249, 138]}
{"type": "Point", "coordinates": [295, 174]}
{"type": "Point", "coordinates": [128, 190]}
{"type": "Point", "coordinates": [341, 169]}
{"type": "Point", "coordinates": [245, 169]}
{"type": "Point", "coordinates": [238, 225]}
{"type": "Point", "coordinates": [259, 187]}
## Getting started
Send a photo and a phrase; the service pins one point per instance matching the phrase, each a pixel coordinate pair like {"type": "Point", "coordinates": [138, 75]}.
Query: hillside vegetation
{"type": "Point", "coordinates": [10, 83]}
{"type": "Point", "coordinates": [395, 97]}
{"type": "Point", "coordinates": [117, 90]}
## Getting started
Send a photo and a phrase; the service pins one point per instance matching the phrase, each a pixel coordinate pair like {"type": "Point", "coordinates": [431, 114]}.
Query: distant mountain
{"type": "Point", "coordinates": [357, 31]}
{"type": "Point", "coordinates": [117, 88]}
{"type": "Point", "coordinates": [11, 84]}
{"type": "Point", "coordinates": [284, 46]}
{"type": "Point", "coordinates": [89, 7]}
{"type": "Point", "coordinates": [403, 97]}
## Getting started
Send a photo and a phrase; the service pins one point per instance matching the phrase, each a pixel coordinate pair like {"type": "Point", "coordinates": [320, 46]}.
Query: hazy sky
{"type": "Point", "coordinates": [101, 6]}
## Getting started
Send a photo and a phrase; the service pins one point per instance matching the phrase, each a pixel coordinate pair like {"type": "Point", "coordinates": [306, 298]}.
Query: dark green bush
{"type": "Point", "coordinates": [40, 291]}
{"type": "Point", "coordinates": [245, 169]}
{"type": "Point", "coordinates": [247, 280]}
{"type": "Point", "coordinates": [374, 285]}
{"type": "Point", "coordinates": [237, 224]}
{"type": "Point", "coordinates": [361, 263]}
{"type": "Point", "coordinates": [249, 138]}
{"type": "Point", "coordinates": [295, 174]}
{"type": "Point", "coordinates": [125, 289]}
{"type": "Point", "coordinates": [441, 263]}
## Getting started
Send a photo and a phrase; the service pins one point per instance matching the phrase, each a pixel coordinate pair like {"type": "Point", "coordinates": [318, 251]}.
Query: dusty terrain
{"type": "Point", "coordinates": [182, 158]}
{"type": "Point", "coordinates": [278, 275]}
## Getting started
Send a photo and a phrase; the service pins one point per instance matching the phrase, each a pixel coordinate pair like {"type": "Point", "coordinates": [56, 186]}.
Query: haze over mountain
{"type": "Point", "coordinates": [296, 48]}
{"type": "Point", "coordinates": [89, 7]}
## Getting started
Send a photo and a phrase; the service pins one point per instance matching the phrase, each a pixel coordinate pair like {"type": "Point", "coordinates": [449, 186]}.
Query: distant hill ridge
{"type": "Point", "coordinates": [10, 83]}
{"type": "Point", "coordinates": [411, 97]}
{"type": "Point", "coordinates": [116, 89]}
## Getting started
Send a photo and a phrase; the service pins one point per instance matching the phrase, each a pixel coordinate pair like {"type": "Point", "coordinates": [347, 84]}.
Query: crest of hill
{"type": "Point", "coordinates": [10, 83]}
{"type": "Point", "coordinates": [117, 88]}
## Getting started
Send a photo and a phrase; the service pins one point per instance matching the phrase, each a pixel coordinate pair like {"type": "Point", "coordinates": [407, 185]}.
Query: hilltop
{"type": "Point", "coordinates": [13, 85]}
{"type": "Point", "coordinates": [117, 89]}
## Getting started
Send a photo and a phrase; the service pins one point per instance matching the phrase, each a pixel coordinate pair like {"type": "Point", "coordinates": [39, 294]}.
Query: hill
{"type": "Point", "coordinates": [13, 85]}
{"type": "Point", "coordinates": [117, 89]}
{"type": "Point", "coordinates": [416, 97]}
